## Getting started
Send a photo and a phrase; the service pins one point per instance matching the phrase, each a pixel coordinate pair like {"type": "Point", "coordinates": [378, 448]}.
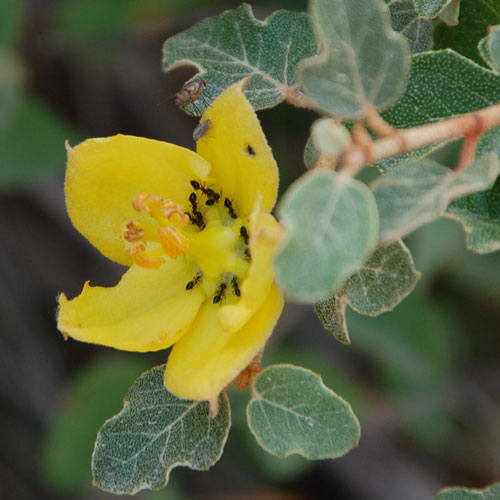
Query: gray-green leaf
{"type": "Point", "coordinates": [491, 493]}
{"type": "Point", "coordinates": [332, 226]}
{"type": "Point", "coordinates": [475, 18]}
{"type": "Point", "coordinates": [234, 44]}
{"type": "Point", "coordinates": [430, 8]}
{"type": "Point", "coordinates": [362, 62]}
{"type": "Point", "coordinates": [416, 29]}
{"type": "Point", "coordinates": [155, 432]}
{"type": "Point", "coordinates": [480, 215]}
{"type": "Point", "coordinates": [383, 281]}
{"type": "Point", "coordinates": [418, 192]}
{"type": "Point", "coordinates": [489, 48]}
{"type": "Point", "coordinates": [292, 411]}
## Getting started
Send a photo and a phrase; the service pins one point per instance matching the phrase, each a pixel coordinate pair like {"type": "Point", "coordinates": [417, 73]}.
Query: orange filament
{"type": "Point", "coordinates": [139, 256]}
{"type": "Point", "coordinates": [173, 242]}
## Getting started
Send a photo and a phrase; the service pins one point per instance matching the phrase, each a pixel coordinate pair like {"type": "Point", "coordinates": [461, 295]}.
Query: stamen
{"type": "Point", "coordinates": [137, 252]}
{"type": "Point", "coordinates": [172, 241]}
{"type": "Point", "coordinates": [162, 210]}
{"type": "Point", "coordinates": [134, 232]}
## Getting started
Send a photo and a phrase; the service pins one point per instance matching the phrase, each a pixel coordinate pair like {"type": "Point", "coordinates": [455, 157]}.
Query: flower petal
{"type": "Point", "coordinates": [104, 175]}
{"type": "Point", "coordinates": [235, 146]}
{"type": "Point", "coordinates": [207, 358]}
{"type": "Point", "coordinates": [148, 310]}
{"type": "Point", "coordinates": [266, 235]}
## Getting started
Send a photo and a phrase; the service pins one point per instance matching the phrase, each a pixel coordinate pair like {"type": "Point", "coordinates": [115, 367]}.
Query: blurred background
{"type": "Point", "coordinates": [424, 379]}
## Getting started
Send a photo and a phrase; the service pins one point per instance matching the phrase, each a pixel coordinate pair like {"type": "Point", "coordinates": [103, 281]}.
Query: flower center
{"type": "Point", "coordinates": [207, 230]}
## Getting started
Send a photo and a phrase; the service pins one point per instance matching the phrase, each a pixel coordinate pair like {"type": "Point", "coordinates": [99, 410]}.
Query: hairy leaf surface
{"type": "Point", "coordinates": [489, 493]}
{"type": "Point", "coordinates": [235, 44]}
{"type": "Point", "coordinates": [332, 227]}
{"type": "Point", "coordinates": [292, 411]}
{"type": "Point", "coordinates": [416, 29]}
{"type": "Point", "coordinates": [155, 432]}
{"type": "Point", "coordinates": [381, 283]}
{"type": "Point", "coordinates": [419, 191]}
{"type": "Point", "coordinates": [362, 61]}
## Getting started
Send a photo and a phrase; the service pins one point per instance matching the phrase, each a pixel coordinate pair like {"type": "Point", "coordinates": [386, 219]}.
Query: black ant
{"type": "Point", "coordinates": [196, 217]}
{"type": "Point", "coordinates": [195, 280]}
{"type": "Point", "coordinates": [248, 255]}
{"type": "Point", "coordinates": [244, 234]}
{"type": "Point", "coordinates": [236, 288]}
{"type": "Point", "coordinates": [229, 206]}
{"type": "Point", "coordinates": [212, 196]}
{"type": "Point", "coordinates": [220, 292]}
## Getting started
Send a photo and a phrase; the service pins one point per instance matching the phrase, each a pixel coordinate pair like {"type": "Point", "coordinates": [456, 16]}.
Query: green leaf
{"type": "Point", "coordinates": [155, 432]}
{"type": "Point", "coordinates": [383, 281]}
{"type": "Point", "coordinates": [416, 29]}
{"type": "Point", "coordinates": [11, 17]}
{"type": "Point", "coordinates": [332, 226]}
{"type": "Point", "coordinates": [94, 394]}
{"type": "Point", "coordinates": [489, 493]}
{"type": "Point", "coordinates": [311, 153]}
{"type": "Point", "coordinates": [11, 85]}
{"type": "Point", "coordinates": [489, 48]}
{"type": "Point", "coordinates": [32, 143]}
{"type": "Point", "coordinates": [450, 14]}
{"type": "Point", "coordinates": [443, 84]}
{"type": "Point", "coordinates": [479, 213]}
{"type": "Point", "coordinates": [235, 44]}
{"type": "Point", "coordinates": [362, 60]}
{"type": "Point", "coordinates": [419, 191]}
{"type": "Point", "coordinates": [412, 346]}
{"type": "Point", "coordinates": [430, 8]}
{"type": "Point", "coordinates": [475, 18]}
{"type": "Point", "coordinates": [292, 411]}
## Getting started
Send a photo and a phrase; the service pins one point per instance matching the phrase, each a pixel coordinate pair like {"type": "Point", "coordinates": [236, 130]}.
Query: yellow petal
{"type": "Point", "coordinates": [148, 310]}
{"type": "Point", "coordinates": [266, 234]}
{"type": "Point", "coordinates": [240, 172]}
{"type": "Point", "coordinates": [207, 358]}
{"type": "Point", "coordinates": [104, 175]}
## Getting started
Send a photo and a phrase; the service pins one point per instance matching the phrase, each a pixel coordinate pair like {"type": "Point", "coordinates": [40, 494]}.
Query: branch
{"type": "Point", "coordinates": [471, 125]}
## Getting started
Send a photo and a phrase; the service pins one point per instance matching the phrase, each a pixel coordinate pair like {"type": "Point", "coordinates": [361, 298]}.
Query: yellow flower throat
{"type": "Point", "coordinates": [211, 234]}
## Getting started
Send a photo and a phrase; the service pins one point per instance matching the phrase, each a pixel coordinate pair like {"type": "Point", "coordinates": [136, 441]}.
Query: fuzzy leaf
{"type": "Point", "coordinates": [489, 493]}
{"type": "Point", "coordinates": [418, 192]}
{"type": "Point", "coordinates": [292, 411]}
{"type": "Point", "coordinates": [416, 29]}
{"type": "Point", "coordinates": [430, 8]}
{"type": "Point", "coordinates": [381, 283]}
{"type": "Point", "coordinates": [333, 225]}
{"type": "Point", "coordinates": [155, 432]}
{"type": "Point", "coordinates": [234, 44]}
{"type": "Point", "coordinates": [479, 213]}
{"type": "Point", "coordinates": [445, 84]}
{"type": "Point", "coordinates": [489, 49]}
{"type": "Point", "coordinates": [362, 60]}
{"type": "Point", "coordinates": [475, 18]}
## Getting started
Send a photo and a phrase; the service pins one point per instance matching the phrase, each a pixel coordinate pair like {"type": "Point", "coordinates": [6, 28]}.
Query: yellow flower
{"type": "Point", "coordinates": [196, 231]}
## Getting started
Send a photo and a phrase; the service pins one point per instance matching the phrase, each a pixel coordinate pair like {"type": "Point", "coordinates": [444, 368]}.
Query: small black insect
{"type": "Point", "coordinates": [250, 150]}
{"type": "Point", "coordinates": [194, 281]}
{"type": "Point", "coordinates": [212, 196]}
{"type": "Point", "coordinates": [236, 288]}
{"type": "Point", "coordinates": [244, 234]}
{"type": "Point", "coordinates": [220, 292]}
{"type": "Point", "coordinates": [248, 255]}
{"type": "Point", "coordinates": [192, 199]}
{"type": "Point", "coordinates": [229, 206]}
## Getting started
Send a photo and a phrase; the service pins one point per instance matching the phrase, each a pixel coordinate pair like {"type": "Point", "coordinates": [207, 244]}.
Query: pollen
{"type": "Point", "coordinates": [139, 256]}
{"type": "Point", "coordinates": [173, 242]}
